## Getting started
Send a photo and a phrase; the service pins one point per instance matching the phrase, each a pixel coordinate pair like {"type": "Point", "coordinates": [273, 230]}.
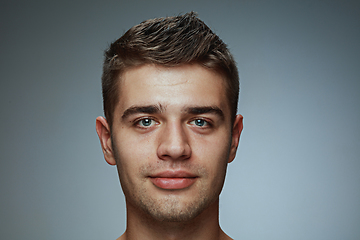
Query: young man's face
{"type": "Point", "coordinates": [171, 140]}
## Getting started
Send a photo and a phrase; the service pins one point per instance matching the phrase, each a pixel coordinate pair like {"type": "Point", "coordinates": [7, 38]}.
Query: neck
{"type": "Point", "coordinates": [204, 226]}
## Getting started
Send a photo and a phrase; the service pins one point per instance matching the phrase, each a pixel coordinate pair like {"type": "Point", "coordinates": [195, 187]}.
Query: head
{"type": "Point", "coordinates": [169, 42]}
{"type": "Point", "coordinates": [170, 89]}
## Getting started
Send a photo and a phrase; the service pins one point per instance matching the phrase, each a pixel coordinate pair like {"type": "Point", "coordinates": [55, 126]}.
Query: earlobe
{"type": "Point", "coordinates": [103, 131]}
{"type": "Point", "coordinates": [236, 132]}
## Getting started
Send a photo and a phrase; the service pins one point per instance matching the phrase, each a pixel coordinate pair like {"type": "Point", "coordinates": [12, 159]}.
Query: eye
{"type": "Point", "coordinates": [145, 122]}
{"type": "Point", "coordinates": [200, 123]}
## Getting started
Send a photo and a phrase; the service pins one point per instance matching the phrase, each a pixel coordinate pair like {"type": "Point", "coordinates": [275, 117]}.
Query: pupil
{"type": "Point", "coordinates": [146, 122]}
{"type": "Point", "coordinates": [199, 122]}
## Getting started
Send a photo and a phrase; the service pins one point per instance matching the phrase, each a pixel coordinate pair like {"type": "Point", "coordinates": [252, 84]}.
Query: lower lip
{"type": "Point", "coordinates": [173, 183]}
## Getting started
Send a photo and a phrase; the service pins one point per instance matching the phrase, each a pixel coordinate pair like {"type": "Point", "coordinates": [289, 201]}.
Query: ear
{"type": "Point", "coordinates": [236, 131]}
{"type": "Point", "coordinates": [103, 131]}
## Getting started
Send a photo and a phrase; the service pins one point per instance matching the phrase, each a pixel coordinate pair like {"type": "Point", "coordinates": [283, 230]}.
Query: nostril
{"type": "Point", "coordinates": [174, 152]}
{"type": "Point", "coordinates": [169, 150]}
{"type": "Point", "coordinates": [173, 143]}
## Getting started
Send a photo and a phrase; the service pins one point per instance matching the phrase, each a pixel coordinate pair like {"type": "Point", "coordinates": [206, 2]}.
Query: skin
{"type": "Point", "coordinates": [171, 121]}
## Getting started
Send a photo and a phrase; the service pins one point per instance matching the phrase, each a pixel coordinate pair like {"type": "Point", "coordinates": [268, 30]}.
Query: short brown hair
{"type": "Point", "coordinates": [170, 41]}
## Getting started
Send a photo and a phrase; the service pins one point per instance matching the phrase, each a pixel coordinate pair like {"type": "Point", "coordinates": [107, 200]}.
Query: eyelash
{"type": "Point", "coordinates": [138, 121]}
{"type": "Point", "coordinates": [207, 123]}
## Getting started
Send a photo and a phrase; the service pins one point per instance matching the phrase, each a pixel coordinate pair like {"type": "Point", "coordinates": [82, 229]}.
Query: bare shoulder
{"type": "Point", "coordinates": [224, 236]}
{"type": "Point", "coordinates": [122, 237]}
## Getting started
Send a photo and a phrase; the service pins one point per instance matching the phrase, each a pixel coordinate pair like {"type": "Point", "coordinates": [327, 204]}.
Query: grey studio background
{"type": "Point", "coordinates": [297, 172]}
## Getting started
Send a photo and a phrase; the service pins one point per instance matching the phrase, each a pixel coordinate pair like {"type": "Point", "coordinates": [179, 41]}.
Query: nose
{"type": "Point", "coordinates": [174, 144]}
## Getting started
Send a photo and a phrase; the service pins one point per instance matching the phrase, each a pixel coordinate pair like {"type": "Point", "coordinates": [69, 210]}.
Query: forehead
{"type": "Point", "coordinates": [172, 86]}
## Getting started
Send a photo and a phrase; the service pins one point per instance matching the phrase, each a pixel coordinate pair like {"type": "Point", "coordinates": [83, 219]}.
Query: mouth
{"type": "Point", "coordinates": [173, 180]}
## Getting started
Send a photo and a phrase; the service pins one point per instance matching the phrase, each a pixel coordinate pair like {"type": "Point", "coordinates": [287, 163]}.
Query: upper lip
{"type": "Point", "coordinates": [173, 174]}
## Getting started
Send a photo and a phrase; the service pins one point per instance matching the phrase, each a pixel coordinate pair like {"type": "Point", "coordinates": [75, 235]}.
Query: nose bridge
{"type": "Point", "coordinates": [174, 142]}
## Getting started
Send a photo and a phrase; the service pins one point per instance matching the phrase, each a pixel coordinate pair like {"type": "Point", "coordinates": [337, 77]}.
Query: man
{"type": "Point", "coordinates": [170, 89]}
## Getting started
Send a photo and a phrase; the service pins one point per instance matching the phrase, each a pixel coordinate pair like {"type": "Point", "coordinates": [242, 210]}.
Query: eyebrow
{"type": "Point", "coordinates": [149, 109]}
{"type": "Point", "coordinates": [152, 109]}
{"type": "Point", "coordinates": [205, 109]}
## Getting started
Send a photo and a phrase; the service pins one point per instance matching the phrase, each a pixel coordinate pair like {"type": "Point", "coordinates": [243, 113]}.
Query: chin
{"type": "Point", "coordinates": [173, 209]}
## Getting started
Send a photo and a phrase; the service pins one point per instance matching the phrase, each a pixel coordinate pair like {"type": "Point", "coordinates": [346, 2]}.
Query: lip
{"type": "Point", "coordinates": [173, 180]}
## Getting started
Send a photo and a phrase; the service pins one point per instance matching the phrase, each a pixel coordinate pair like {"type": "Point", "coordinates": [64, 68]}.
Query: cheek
{"type": "Point", "coordinates": [217, 145]}
{"type": "Point", "coordinates": [213, 154]}
{"type": "Point", "coordinates": [131, 154]}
